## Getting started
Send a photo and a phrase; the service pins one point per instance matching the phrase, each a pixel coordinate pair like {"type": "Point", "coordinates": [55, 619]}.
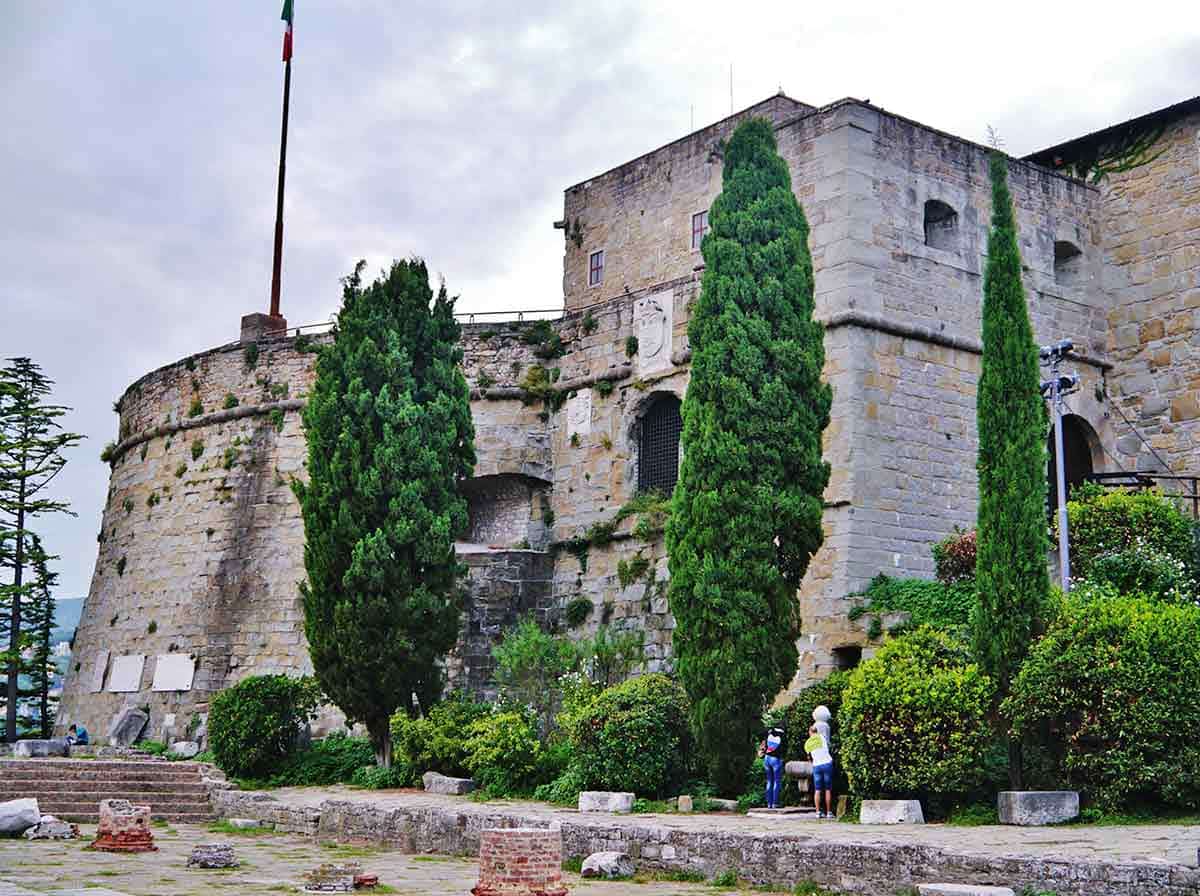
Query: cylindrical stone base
{"type": "Point", "coordinates": [520, 862]}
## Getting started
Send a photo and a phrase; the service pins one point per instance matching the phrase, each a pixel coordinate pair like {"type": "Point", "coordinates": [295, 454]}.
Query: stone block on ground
{"type": "Point", "coordinates": [245, 824]}
{"type": "Point", "coordinates": [1037, 807]}
{"type": "Point", "coordinates": [605, 801]}
{"type": "Point", "coordinates": [50, 828]}
{"type": "Point", "coordinates": [608, 865]}
{"type": "Point", "coordinates": [123, 827]}
{"type": "Point", "coordinates": [18, 815]}
{"type": "Point", "coordinates": [719, 805]}
{"type": "Point", "coordinates": [684, 804]}
{"type": "Point", "coordinates": [38, 749]}
{"type": "Point", "coordinates": [184, 749]}
{"type": "Point", "coordinates": [212, 855]}
{"type": "Point", "coordinates": [127, 727]}
{"type": "Point", "coordinates": [891, 812]}
{"type": "Point", "coordinates": [332, 878]}
{"type": "Point", "coordinates": [439, 783]}
{"type": "Point", "coordinates": [962, 890]}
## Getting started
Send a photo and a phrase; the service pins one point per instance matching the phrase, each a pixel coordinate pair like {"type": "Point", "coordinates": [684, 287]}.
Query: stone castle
{"type": "Point", "coordinates": [200, 545]}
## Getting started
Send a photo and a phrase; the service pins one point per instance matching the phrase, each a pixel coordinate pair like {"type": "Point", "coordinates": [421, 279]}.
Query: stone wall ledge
{"type": "Point", "coordinates": [504, 393]}
{"type": "Point", "coordinates": [861, 863]}
{"type": "Point", "coordinates": [201, 420]}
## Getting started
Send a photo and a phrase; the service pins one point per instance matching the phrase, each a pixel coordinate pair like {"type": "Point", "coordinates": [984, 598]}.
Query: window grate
{"type": "Point", "coordinates": [658, 446]}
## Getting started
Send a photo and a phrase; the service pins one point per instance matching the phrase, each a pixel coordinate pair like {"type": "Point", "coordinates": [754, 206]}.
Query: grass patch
{"type": "Point", "coordinates": [224, 827]}
{"type": "Point", "coordinates": [1093, 816]}
{"type": "Point", "coordinates": [349, 851]}
{"type": "Point", "coordinates": [973, 816]}
{"type": "Point", "coordinates": [454, 859]}
{"type": "Point", "coordinates": [670, 876]}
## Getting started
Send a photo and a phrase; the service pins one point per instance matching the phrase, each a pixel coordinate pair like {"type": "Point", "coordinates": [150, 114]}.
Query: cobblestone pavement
{"type": "Point", "coordinates": [1147, 843]}
{"type": "Point", "coordinates": [270, 864]}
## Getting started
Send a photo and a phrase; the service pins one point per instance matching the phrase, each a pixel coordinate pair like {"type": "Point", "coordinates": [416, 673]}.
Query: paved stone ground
{"type": "Point", "coordinates": [270, 864]}
{"type": "Point", "coordinates": [1146, 843]}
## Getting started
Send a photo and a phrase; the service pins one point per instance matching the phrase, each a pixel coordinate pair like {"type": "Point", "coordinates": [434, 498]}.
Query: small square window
{"type": "Point", "coordinates": [699, 228]}
{"type": "Point", "coordinates": [596, 268]}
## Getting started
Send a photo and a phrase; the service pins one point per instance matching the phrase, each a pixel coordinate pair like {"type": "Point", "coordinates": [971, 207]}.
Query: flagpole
{"type": "Point", "coordinates": [278, 261]}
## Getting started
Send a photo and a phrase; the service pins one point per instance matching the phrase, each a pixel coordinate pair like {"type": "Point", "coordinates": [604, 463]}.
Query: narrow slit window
{"type": "Point", "coordinates": [699, 228]}
{"type": "Point", "coordinates": [596, 268]}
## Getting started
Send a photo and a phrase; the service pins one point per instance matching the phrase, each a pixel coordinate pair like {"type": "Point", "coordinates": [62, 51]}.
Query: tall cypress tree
{"type": "Point", "coordinates": [746, 514]}
{"type": "Point", "coordinates": [1012, 578]}
{"type": "Point", "coordinates": [390, 442]}
{"type": "Point", "coordinates": [40, 626]}
{"type": "Point", "coordinates": [31, 456]}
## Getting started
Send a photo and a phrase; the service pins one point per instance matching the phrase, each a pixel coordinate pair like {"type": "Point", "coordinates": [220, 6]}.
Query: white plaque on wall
{"type": "Point", "coordinates": [173, 672]}
{"type": "Point", "coordinates": [579, 413]}
{"type": "Point", "coordinates": [653, 319]}
{"type": "Point", "coordinates": [126, 674]}
{"type": "Point", "coordinates": [96, 685]}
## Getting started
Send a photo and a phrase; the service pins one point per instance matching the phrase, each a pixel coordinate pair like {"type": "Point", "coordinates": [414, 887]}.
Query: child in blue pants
{"type": "Point", "coordinates": [772, 753]}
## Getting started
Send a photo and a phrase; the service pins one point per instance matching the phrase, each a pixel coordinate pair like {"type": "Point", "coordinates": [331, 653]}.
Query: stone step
{"type": "Point", "coordinates": [91, 786]}
{"type": "Point", "coordinates": [159, 808]}
{"type": "Point", "coordinates": [92, 774]}
{"type": "Point", "coordinates": [63, 766]}
{"type": "Point", "coordinates": [170, 817]}
{"type": "Point", "coordinates": [111, 793]}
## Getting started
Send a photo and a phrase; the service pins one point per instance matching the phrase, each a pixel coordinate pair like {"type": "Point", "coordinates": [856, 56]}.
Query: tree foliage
{"type": "Point", "coordinates": [1011, 576]}
{"type": "Point", "coordinates": [31, 456]}
{"type": "Point", "coordinates": [390, 441]}
{"type": "Point", "coordinates": [255, 725]}
{"type": "Point", "coordinates": [746, 516]}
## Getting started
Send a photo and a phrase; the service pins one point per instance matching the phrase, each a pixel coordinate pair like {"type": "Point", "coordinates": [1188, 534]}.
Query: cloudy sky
{"type": "Point", "coordinates": [137, 163]}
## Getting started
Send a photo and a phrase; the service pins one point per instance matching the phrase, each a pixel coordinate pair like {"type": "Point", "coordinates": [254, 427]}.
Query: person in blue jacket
{"type": "Point", "coordinates": [772, 752]}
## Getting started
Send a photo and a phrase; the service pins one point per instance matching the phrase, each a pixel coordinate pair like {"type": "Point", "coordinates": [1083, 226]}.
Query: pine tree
{"type": "Point", "coordinates": [31, 455]}
{"type": "Point", "coordinates": [390, 442]}
{"type": "Point", "coordinates": [39, 621]}
{"type": "Point", "coordinates": [746, 515]}
{"type": "Point", "coordinates": [1012, 579]}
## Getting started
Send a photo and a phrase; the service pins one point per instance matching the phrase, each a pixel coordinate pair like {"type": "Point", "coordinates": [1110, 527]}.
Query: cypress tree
{"type": "Point", "coordinates": [746, 515]}
{"type": "Point", "coordinates": [1012, 578]}
{"type": "Point", "coordinates": [390, 442]}
{"type": "Point", "coordinates": [40, 625]}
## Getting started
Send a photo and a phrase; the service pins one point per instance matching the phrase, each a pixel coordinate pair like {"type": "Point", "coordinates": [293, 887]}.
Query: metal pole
{"type": "Point", "coordinates": [1064, 557]}
{"type": "Point", "coordinates": [277, 264]}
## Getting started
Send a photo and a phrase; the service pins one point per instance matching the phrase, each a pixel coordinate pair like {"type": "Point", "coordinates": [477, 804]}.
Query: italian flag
{"type": "Point", "coordinates": [287, 35]}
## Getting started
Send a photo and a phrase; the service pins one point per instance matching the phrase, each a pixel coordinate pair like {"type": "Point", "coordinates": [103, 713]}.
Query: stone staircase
{"type": "Point", "coordinates": [72, 789]}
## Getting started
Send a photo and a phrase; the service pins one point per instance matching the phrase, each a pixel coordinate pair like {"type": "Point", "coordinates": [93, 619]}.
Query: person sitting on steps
{"type": "Point", "coordinates": [77, 735]}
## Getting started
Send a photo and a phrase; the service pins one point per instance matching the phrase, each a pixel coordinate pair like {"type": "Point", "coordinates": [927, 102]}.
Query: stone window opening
{"type": "Point", "coordinates": [941, 225]}
{"type": "Point", "coordinates": [1068, 263]}
{"type": "Point", "coordinates": [847, 657]}
{"type": "Point", "coordinates": [658, 432]}
{"type": "Point", "coordinates": [699, 228]}
{"type": "Point", "coordinates": [596, 268]}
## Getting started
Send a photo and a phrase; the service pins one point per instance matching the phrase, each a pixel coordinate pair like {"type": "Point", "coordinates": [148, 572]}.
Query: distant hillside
{"type": "Point", "coordinates": [66, 618]}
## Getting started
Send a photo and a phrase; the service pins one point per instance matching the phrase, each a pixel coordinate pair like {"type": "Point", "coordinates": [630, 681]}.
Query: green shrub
{"type": "Point", "coordinates": [610, 656]}
{"type": "Point", "coordinates": [529, 663]}
{"type": "Point", "coordinates": [1116, 679]}
{"type": "Point", "coordinates": [109, 454]}
{"type": "Point", "coordinates": [503, 752]}
{"type": "Point", "coordinates": [195, 409]}
{"type": "Point", "coordinates": [631, 346]}
{"type": "Point", "coordinates": [954, 558]}
{"type": "Point", "coordinates": [335, 760]}
{"type": "Point", "coordinates": [231, 401]}
{"type": "Point", "coordinates": [372, 777]}
{"type": "Point", "coordinates": [197, 449]}
{"type": "Point", "coordinates": [1142, 569]}
{"type": "Point", "coordinates": [565, 789]}
{"type": "Point", "coordinates": [1109, 521]}
{"type": "Point", "coordinates": [255, 723]}
{"type": "Point", "coordinates": [577, 611]}
{"type": "Point", "coordinates": [437, 742]}
{"type": "Point", "coordinates": [926, 602]}
{"type": "Point", "coordinates": [604, 388]}
{"type": "Point", "coordinates": [914, 719]}
{"type": "Point", "coordinates": [634, 736]}
{"type": "Point", "coordinates": [250, 355]}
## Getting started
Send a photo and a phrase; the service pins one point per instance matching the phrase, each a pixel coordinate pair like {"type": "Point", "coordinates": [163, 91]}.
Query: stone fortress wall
{"type": "Point", "coordinates": [207, 568]}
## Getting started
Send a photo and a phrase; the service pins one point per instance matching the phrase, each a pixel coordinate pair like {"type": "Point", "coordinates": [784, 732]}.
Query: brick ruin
{"type": "Point", "coordinates": [201, 542]}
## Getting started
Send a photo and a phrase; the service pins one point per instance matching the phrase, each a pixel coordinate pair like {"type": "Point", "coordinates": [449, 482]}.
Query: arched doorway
{"type": "Point", "coordinates": [1078, 438]}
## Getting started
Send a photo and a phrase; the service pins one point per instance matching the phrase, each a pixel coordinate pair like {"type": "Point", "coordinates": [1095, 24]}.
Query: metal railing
{"type": "Point", "coordinates": [463, 317]}
{"type": "Point", "coordinates": [1185, 488]}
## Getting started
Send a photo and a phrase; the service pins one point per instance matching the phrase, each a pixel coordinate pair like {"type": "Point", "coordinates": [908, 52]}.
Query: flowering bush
{"type": "Point", "coordinates": [1143, 569]}
{"type": "Point", "coordinates": [954, 558]}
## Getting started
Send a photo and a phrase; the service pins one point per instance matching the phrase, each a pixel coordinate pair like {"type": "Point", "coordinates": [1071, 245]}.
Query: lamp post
{"type": "Point", "coordinates": [1054, 388]}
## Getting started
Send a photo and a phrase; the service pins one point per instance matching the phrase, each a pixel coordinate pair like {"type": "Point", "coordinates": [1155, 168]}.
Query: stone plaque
{"type": "Point", "coordinates": [653, 318]}
{"type": "Point", "coordinates": [96, 685]}
{"type": "Point", "coordinates": [126, 674]}
{"type": "Point", "coordinates": [579, 413]}
{"type": "Point", "coordinates": [173, 672]}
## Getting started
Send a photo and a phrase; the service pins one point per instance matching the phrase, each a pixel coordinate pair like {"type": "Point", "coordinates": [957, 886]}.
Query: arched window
{"type": "Point", "coordinates": [1077, 457]}
{"type": "Point", "coordinates": [941, 225]}
{"type": "Point", "coordinates": [658, 445]}
{"type": "Point", "coordinates": [1068, 263]}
